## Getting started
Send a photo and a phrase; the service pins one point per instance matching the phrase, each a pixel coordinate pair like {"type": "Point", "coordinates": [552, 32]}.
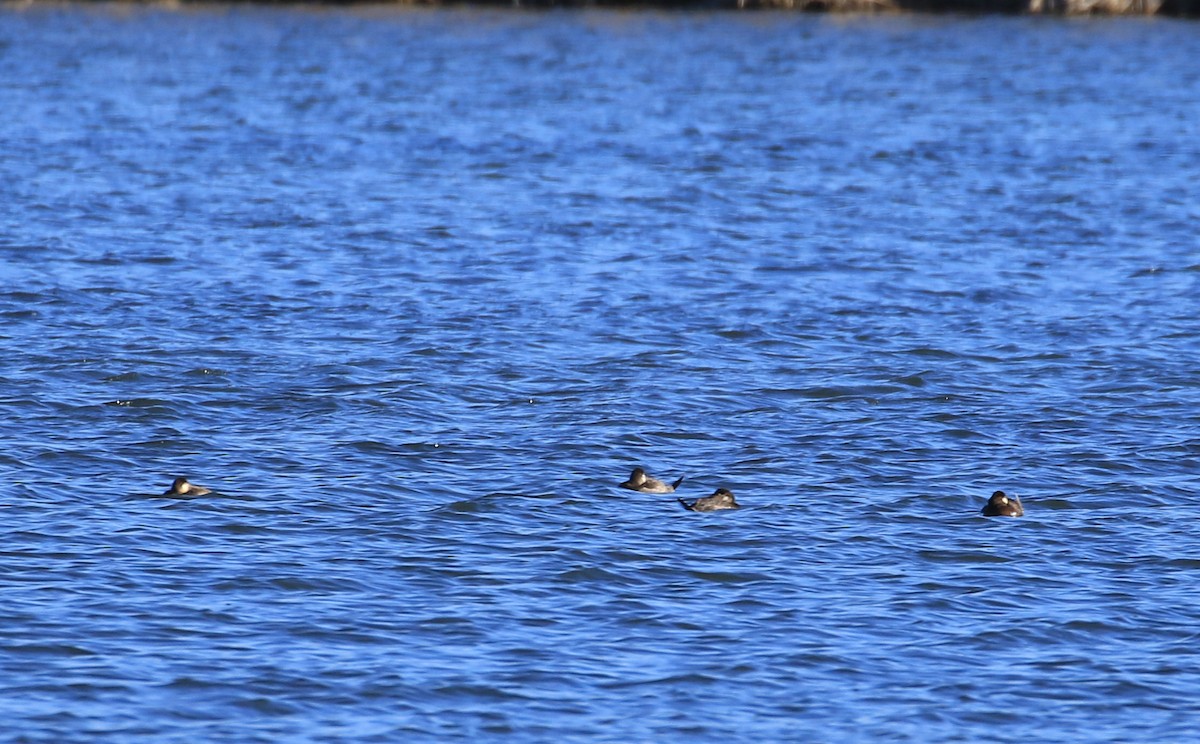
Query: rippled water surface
{"type": "Point", "coordinates": [412, 291]}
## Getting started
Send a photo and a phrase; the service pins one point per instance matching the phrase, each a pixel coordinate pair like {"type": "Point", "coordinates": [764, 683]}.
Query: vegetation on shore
{"type": "Point", "coordinates": [1182, 8]}
{"type": "Point", "coordinates": [1031, 7]}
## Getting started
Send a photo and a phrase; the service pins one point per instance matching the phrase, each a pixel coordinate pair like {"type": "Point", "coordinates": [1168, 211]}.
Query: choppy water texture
{"type": "Point", "coordinates": [414, 290]}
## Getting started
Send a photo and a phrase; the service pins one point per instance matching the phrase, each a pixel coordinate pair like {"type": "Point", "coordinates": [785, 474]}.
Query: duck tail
{"type": "Point", "coordinates": [686, 505]}
{"type": "Point", "coordinates": [676, 483]}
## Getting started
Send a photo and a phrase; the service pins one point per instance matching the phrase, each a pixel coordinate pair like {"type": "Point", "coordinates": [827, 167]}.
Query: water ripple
{"type": "Point", "coordinates": [413, 290]}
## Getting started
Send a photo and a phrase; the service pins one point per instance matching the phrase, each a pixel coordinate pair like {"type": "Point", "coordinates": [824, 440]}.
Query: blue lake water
{"type": "Point", "coordinates": [413, 290]}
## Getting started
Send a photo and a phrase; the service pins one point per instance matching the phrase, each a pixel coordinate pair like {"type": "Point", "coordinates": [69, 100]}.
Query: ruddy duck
{"type": "Point", "coordinates": [181, 487]}
{"type": "Point", "coordinates": [1003, 505]}
{"type": "Point", "coordinates": [639, 481]}
{"type": "Point", "coordinates": [722, 498]}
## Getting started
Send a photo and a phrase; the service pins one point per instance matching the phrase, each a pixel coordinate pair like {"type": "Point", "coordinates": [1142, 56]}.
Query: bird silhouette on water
{"type": "Point", "coordinates": [181, 487]}
{"type": "Point", "coordinates": [639, 481]}
{"type": "Point", "coordinates": [1003, 505]}
{"type": "Point", "coordinates": [722, 498]}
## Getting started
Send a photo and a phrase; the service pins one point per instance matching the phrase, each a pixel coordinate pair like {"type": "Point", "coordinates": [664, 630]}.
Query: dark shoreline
{"type": "Point", "coordinates": [1165, 8]}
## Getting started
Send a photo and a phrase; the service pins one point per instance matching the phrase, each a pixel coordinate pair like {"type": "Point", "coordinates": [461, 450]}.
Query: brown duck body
{"type": "Point", "coordinates": [722, 498]}
{"type": "Point", "coordinates": [1003, 505]}
{"type": "Point", "coordinates": [639, 481]}
{"type": "Point", "coordinates": [181, 487]}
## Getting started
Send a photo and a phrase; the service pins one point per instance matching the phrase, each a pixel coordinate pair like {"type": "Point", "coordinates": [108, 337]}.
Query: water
{"type": "Point", "coordinates": [413, 290]}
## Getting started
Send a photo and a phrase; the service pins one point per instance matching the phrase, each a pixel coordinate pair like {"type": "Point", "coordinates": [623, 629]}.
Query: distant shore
{"type": "Point", "coordinates": [1171, 8]}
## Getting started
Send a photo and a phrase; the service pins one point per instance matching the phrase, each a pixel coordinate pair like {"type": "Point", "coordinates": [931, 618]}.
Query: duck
{"type": "Point", "coordinates": [1003, 505]}
{"type": "Point", "coordinates": [722, 498]}
{"type": "Point", "coordinates": [181, 487]}
{"type": "Point", "coordinates": [639, 481]}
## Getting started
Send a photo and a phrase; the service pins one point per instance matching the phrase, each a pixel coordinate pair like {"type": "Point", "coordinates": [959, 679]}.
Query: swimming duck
{"type": "Point", "coordinates": [181, 487]}
{"type": "Point", "coordinates": [1003, 505]}
{"type": "Point", "coordinates": [639, 481]}
{"type": "Point", "coordinates": [722, 498]}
